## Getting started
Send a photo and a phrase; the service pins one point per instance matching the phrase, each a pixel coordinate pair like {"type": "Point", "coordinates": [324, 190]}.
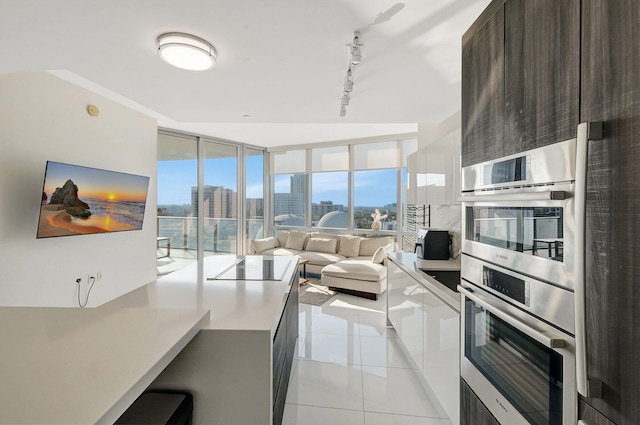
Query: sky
{"type": "Point", "coordinates": [175, 179]}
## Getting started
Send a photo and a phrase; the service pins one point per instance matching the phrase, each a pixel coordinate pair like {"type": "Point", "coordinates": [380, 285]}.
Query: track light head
{"type": "Point", "coordinates": [356, 49]}
{"type": "Point", "coordinates": [355, 57]}
{"type": "Point", "coordinates": [348, 86]}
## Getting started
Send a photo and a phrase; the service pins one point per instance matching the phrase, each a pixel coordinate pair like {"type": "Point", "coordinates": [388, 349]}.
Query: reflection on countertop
{"type": "Point", "coordinates": [234, 303]}
{"type": "Point", "coordinates": [424, 270]}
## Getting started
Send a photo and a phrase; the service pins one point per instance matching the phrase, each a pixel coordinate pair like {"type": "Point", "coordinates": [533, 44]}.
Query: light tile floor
{"type": "Point", "coordinates": [351, 370]}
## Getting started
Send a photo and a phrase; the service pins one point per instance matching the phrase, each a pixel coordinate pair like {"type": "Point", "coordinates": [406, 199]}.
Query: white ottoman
{"type": "Point", "coordinates": [356, 276]}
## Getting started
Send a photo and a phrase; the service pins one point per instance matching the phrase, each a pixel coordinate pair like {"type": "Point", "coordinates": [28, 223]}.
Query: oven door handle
{"type": "Point", "coordinates": [587, 387]}
{"type": "Point", "coordinates": [549, 341]}
{"type": "Point", "coordinates": [553, 195]}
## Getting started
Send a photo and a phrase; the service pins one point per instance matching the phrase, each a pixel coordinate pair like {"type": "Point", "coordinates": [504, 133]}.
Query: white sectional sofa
{"type": "Point", "coordinates": [346, 263]}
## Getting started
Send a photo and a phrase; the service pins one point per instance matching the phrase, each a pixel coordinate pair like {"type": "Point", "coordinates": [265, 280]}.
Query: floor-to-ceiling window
{"type": "Point", "coordinates": [346, 184]}
{"type": "Point", "coordinates": [220, 203]}
{"type": "Point", "coordinates": [330, 187]}
{"type": "Point", "coordinates": [222, 183]}
{"type": "Point", "coordinates": [254, 194]}
{"type": "Point", "coordinates": [375, 185]}
{"type": "Point", "coordinates": [177, 220]}
{"type": "Point", "coordinates": [289, 188]}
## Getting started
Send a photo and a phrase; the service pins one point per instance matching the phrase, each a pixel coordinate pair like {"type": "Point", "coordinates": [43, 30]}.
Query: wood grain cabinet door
{"type": "Point", "coordinates": [483, 88]}
{"type": "Point", "coordinates": [610, 92]}
{"type": "Point", "coordinates": [472, 411]}
{"type": "Point", "coordinates": [542, 70]}
{"type": "Point", "coordinates": [520, 78]}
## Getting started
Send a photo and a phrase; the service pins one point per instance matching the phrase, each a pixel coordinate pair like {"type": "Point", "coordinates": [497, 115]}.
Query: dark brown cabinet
{"type": "Point", "coordinates": [284, 345]}
{"type": "Point", "coordinates": [588, 413]}
{"type": "Point", "coordinates": [541, 54]}
{"type": "Point", "coordinates": [483, 87]}
{"type": "Point", "coordinates": [542, 69]}
{"type": "Point", "coordinates": [520, 78]}
{"type": "Point", "coordinates": [610, 92]}
{"type": "Point", "coordinates": [472, 411]}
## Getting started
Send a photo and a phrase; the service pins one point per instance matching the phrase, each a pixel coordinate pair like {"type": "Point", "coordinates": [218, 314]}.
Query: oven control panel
{"type": "Point", "coordinates": [510, 286]}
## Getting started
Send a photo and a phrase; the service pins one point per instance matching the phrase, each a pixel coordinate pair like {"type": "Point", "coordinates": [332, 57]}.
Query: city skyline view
{"type": "Point", "coordinates": [177, 177]}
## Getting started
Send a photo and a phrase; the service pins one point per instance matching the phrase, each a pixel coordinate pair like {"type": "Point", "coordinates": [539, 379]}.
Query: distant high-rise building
{"type": "Point", "coordinates": [298, 183]}
{"type": "Point", "coordinates": [325, 207]}
{"type": "Point", "coordinates": [255, 207]}
{"type": "Point", "coordinates": [288, 203]}
{"type": "Point", "coordinates": [219, 202]}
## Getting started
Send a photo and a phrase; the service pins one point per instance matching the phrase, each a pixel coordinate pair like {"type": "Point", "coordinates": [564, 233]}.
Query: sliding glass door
{"type": "Point", "coordinates": [254, 179]}
{"type": "Point", "coordinates": [177, 220]}
{"type": "Point", "coordinates": [210, 198]}
{"type": "Point", "coordinates": [220, 204]}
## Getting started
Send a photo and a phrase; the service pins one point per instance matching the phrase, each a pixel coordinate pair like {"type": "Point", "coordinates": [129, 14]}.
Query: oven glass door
{"type": "Point", "coordinates": [525, 372]}
{"type": "Point", "coordinates": [536, 231]}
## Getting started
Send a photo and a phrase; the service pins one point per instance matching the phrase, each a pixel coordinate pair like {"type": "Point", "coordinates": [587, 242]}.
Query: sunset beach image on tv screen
{"type": "Point", "coordinates": [80, 200]}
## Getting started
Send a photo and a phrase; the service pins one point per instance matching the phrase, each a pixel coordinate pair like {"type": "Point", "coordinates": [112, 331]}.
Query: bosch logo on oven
{"type": "Point", "coordinates": [502, 406]}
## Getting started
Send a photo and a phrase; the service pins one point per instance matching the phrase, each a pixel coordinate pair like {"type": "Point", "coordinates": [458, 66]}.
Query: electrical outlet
{"type": "Point", "coordinates": [99, 276]}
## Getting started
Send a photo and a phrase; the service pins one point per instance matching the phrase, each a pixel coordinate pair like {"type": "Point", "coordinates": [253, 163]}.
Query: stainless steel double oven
{"type": "Point", "coordinates": [517, 312]}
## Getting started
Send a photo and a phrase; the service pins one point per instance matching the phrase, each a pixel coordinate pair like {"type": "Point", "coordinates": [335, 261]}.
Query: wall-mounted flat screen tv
{"type": "Point", "coordinates": [80, 200]}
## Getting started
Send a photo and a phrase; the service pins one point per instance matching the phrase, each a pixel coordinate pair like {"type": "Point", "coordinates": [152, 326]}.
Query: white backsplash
{"type": "Point", "coordinates": [449, 217]}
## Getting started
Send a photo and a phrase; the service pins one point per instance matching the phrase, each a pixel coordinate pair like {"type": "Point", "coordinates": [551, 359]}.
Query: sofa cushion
{"type": "Point", "coordinates": [280, 251]}
{"type": "Point", "coordinates": [319, 235]}
{"type": "Point", "coordinates": [369, 246]}
{"type": "Point", "coordinates": [379, 255]}
{"type": "Point", "coordinates": [260, 245]}
{"type": "Point", "coordinates": [296, 241]}
{"type": "Point", "coordinates": [349, 245]}
{"type": "Point", "coordinates": [321, 245]}
{"type": "Point", "coordinates": [321, 258]}
{"type": "Point", "coordinates": [357, 269]}
{"type": "Point", "coordinates": [282, 238]}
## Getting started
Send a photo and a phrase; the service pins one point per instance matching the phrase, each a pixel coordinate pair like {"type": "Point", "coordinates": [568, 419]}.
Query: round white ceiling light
{"type": "Point", "coordinates": [186, 51]}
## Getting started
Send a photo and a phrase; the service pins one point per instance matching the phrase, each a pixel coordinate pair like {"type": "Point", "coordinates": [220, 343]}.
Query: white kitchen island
{"type": "Point", "coordinates": [237, 367]}
{"type": "Point", "coordinates": [229, 342]}
{"type": "Point", "coordinates": [85, 366]}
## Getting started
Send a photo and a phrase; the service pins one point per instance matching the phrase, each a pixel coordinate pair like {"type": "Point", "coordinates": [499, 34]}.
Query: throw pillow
{"type": "Point", "coordinates": [322, 245]}
{"type": "Point", "coordinates": [282, 238]}
{"type": "Point", "coordinates": [349, 246]}
{"type": "Point", "coordinates": [296, 241]}
{"type": "Point", "coordinates": [379, 255]}
{"type": "Point", "coordinates": [369, 246]}
{"type": "Point", "coordinates": [260, 245]}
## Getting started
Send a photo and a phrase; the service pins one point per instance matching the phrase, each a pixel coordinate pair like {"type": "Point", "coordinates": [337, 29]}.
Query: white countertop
{"type": "Point", "coordinates": [411, 264]}
{"type": "Point", "coordinates": [234, 304]}
{"type": "Point", "coordinates": [84, 366]}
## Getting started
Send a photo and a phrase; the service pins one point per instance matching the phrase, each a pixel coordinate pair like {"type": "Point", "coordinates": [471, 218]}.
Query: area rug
{"type": "Point", "coordinates": [314, 293]}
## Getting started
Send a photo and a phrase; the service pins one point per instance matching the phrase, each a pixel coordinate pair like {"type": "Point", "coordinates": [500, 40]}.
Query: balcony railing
{"type": "Point", "coordinates": [220, 234]}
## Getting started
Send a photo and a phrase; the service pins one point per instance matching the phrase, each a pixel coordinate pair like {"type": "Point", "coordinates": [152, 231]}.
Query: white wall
{"type": "Point", "coordinates": [445, 216]}
{"type": "Point", "coordinates": [429, 133]}
{"type": "Point", "coordinates": [44, 118]}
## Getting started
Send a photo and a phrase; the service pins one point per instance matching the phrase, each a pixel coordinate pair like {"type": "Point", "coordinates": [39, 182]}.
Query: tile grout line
{"type": "Point", "coordinates": [361, 369]}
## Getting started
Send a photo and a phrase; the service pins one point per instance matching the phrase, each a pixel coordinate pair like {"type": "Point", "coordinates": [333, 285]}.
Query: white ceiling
{"type": "Point", "coordinates": [282, 62]}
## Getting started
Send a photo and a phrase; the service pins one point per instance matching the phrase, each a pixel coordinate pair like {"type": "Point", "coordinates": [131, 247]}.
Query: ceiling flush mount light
{"type": "Point", "coordinates": [355, 59]}
{"type": "Point", "coordinates": [186, 51]}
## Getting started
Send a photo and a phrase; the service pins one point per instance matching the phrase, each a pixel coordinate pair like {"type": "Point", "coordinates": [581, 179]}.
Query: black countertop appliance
{"type": "Point", "coordinates": [433, 244]}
